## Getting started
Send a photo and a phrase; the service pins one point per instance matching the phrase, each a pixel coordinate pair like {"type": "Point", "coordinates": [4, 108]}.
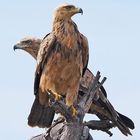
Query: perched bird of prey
{"type": "Point", "coordinates": [62, 59]}
{"type": "Point", "coordinates": [98, 107]}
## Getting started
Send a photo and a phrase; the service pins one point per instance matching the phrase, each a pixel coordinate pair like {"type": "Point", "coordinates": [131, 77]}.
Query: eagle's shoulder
{"type": "Point", "coordinates": [45, 47]}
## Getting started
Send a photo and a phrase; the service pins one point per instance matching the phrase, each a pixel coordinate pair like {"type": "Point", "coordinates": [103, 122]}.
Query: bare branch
{"type": "Point", "coordinates": [86, 101]}
{"type": "Point", "coordinates": [103, 125]}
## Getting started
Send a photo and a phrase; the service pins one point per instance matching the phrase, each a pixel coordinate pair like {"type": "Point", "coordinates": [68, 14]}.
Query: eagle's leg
{"type": "Point", "coordinates": [70, 99]}
{"type": "Point", "coordinates": [73, 110]}
{"type": "Point", "coordinates": [56, 95]}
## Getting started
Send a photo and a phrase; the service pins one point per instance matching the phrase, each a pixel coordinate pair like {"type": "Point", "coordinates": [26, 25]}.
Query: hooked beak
{"type": "Point", "coordinates": [16, 47]}
{"type": "Point", "coordinates": [81, 11]}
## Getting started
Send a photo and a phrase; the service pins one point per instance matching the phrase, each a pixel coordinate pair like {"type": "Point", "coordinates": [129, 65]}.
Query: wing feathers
{"type": "Point", "coordinates": [46, 48]}
{"type": "Point", "coordinates": [85, 52]}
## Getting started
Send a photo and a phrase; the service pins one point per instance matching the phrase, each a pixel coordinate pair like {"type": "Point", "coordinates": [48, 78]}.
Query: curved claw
{"type": "Point", "coordinates": [56, 95]}
{"type": "Point", "coordinates": [74, 111]}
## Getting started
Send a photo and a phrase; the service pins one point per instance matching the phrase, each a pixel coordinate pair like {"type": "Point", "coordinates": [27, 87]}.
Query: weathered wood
{"type": "Point", "coordinates": [86, 101]}
{"type": "Point", "coordinates": [102, 125]}
{"type": "Point", "coordinates": [63, 131]}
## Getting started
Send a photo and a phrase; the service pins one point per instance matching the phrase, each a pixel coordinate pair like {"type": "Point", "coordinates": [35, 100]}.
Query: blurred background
{"type": "Point", "coordinates": [113, 31]}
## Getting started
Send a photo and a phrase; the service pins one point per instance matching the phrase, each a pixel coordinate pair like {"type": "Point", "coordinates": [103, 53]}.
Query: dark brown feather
{"type": "Point", "coordinates": [44, 53]}
{"type": "Point", "coordinates": [40, 115]}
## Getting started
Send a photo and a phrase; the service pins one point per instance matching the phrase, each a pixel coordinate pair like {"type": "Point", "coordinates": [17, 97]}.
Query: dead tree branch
{"type": "Point", "coordinates": [103, 125]}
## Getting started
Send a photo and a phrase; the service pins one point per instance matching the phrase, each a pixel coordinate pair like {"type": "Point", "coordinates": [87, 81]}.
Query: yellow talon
{"type": "Point", "coordinates": [74, 111]}
{"type": "Point", "coordinates": [56, 95]}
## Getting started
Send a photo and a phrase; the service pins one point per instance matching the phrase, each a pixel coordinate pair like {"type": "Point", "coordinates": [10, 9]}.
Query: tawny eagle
{"type": "Point", "coordinates": [62, 59]}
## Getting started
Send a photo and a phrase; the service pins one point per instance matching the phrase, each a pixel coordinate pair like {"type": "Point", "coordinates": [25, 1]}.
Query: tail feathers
{"type": "Point", "coordinates": [122, 122]}
{"type": "Point", "coordinates": [122, 127]}
{"type": "Point", "coordinates": [118, 119]}
{"type": "Point", "coordinates": [128, 122]}
{"type": "Point", "coordinates": [40, 115]}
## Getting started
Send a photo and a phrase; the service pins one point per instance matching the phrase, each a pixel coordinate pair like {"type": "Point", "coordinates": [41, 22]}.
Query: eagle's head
{"type": "Point", "coordinates": [66, 11]}
{"type": "Point", "coordinates": [29, 44]}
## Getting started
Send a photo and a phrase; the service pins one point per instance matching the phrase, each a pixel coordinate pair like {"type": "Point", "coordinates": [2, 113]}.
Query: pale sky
{"type": "Point", "coordinates": [113, 31]}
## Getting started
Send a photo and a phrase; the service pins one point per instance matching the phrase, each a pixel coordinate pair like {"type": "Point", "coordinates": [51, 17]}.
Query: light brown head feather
{"type": "Point", "coordinates": [29, 44]}
{"type": "Point", "coordinates": [66, 11]}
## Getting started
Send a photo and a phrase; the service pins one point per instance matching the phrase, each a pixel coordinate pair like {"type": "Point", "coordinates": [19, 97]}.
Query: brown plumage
{"type": "Point", "coordinates": [62, 58]}
{"type": "Point", "coordinates": [96, 106]}
{"type": "Point", "coordinates": [30, 45]}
